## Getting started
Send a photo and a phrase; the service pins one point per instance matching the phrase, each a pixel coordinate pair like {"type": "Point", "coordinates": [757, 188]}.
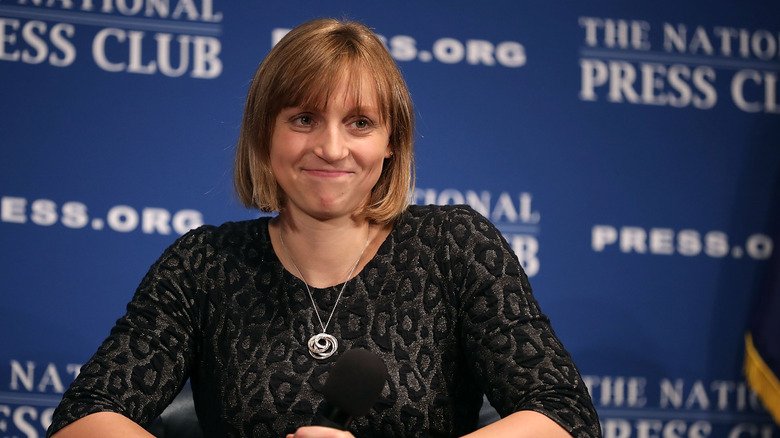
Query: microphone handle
{"type": "Point", "coordinates": [334, 417]}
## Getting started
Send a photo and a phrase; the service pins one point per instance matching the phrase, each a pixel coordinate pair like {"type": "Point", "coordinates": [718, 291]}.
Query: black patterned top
{"type": "Point", "coordinates": [444, 302]}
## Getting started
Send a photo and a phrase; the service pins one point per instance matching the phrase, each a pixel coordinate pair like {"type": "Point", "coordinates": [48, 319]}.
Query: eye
{"type": "Point", "coordinates": [303, 120]}
{"type": "Point", "coordinates": [363, 124]}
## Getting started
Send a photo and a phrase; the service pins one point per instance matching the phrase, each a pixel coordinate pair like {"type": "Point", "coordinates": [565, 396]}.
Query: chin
{"type": "Point", "coordinates": [324, 214]}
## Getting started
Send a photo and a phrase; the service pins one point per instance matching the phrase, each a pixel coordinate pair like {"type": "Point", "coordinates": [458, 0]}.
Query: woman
{"type": "Point", "coordinates": [256, 312]}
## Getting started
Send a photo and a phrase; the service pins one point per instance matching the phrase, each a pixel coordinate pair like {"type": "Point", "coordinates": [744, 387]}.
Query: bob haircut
{"type": "Point", "coordinates": [301, 70]}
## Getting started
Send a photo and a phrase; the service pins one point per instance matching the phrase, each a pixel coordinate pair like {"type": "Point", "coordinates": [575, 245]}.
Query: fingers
{"type": "Point", "coordinates": [319, 432]}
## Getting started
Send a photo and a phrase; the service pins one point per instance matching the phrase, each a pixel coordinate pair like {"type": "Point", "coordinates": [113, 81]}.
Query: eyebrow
{"type": "Point", "coordinates": [356, 109]}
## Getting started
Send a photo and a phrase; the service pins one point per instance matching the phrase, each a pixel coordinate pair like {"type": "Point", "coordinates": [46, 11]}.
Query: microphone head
{"type": "Point", "coordinates": [355, 382]}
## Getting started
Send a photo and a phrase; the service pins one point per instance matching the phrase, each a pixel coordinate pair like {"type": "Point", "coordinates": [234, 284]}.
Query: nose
{"type": "Point", "coordinates": [331, 144]}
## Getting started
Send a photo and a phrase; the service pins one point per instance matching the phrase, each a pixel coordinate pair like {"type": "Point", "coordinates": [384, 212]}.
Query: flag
{"type": "Point", "coordinates": [762, 343]}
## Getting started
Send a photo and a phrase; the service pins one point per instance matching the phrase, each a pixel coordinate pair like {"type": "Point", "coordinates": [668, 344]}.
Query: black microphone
{"type": "Point", "coordinates": [353, 386]}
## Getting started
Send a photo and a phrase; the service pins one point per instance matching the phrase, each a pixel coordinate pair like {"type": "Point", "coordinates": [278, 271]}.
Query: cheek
{"type": "Point", "coordinates": [282, 150]}
{"type": "Point", "coordinates": [376, 158]}
{"type": "Point", "coordinates": [377, 166]}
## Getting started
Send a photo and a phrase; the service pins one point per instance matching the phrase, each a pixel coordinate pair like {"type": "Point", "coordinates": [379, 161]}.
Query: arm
{"type": "Point", "coordinates": [522, 424]}
{"type": "Point", "coordinates": [145, 360]}
{"type": "Point", "coordinates": [103, 425]}
{"type": "Point", "coordinates": [509, 344]}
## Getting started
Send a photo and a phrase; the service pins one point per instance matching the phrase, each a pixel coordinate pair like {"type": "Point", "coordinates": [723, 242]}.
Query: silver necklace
{"type": "Point", "coordinates": [323, 345]}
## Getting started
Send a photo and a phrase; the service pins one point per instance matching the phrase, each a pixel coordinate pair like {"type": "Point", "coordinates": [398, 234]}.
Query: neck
{"type": "Point", "coordinates": [323, 251]}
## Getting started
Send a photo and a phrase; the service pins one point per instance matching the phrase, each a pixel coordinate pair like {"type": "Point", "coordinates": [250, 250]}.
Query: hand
{"type": "Point", "coordinates": [320, 432]}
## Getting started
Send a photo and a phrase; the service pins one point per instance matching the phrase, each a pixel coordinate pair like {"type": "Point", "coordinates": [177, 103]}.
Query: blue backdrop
{"type": "Point", "coordinates": [630, 153]}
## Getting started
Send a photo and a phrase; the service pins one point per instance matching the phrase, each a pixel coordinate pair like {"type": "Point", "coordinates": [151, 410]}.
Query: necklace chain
{"type": "Point", "coordinates": [306, 283]}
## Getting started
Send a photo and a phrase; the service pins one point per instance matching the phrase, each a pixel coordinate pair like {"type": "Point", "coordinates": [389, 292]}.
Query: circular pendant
{"type": "Point", "coordinates": [322, 346]}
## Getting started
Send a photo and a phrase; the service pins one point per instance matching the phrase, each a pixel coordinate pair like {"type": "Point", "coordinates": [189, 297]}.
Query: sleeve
{"type": "Point", "coordinates": [147, 357]}
{"type": "Point", "coordinates": [509, 344]}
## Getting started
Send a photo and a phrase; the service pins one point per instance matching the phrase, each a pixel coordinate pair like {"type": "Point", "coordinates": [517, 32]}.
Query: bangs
{"type": "Point", "coordinates": [311, 82]}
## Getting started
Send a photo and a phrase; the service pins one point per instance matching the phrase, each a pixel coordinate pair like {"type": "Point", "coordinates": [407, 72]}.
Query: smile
{"type": "Point", "coordinates": [327, 173]}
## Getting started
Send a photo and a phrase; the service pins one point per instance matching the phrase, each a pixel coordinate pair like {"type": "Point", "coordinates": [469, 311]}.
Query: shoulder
{"type": "Point", "coordinates": [227, 236]}
{"type": "Point", "coordinates": [211, 250]}
{"type": "Point", "coordinates": [441, 212]}
{"type": "Point", "coordinates": [460, 218]}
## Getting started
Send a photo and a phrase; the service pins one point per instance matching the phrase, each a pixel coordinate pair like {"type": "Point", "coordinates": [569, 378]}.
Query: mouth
{"type": "Point", "coordinates": [327, 173]}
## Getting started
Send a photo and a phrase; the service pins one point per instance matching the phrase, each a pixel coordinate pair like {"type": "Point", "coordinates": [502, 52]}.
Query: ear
{"type": "Point", "coordinates": [388, 151]}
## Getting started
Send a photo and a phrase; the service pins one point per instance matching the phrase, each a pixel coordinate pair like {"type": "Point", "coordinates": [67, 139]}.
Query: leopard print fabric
{"type": "Point", "coordinates": [444, 303]}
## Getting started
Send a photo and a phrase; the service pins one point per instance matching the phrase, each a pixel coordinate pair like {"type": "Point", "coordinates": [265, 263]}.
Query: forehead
{"type": "Point", "coordinates": [351, 87]}
{"type": "Point", "coordinates": [351, 91]}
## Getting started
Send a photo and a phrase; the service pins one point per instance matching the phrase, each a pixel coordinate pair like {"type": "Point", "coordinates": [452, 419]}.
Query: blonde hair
{"type": "Point", "coordinates": [301, 70]}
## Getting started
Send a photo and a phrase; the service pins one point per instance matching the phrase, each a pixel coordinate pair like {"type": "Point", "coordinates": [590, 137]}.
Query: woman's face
{"type": "Point", "coordinates": [327, 161]}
